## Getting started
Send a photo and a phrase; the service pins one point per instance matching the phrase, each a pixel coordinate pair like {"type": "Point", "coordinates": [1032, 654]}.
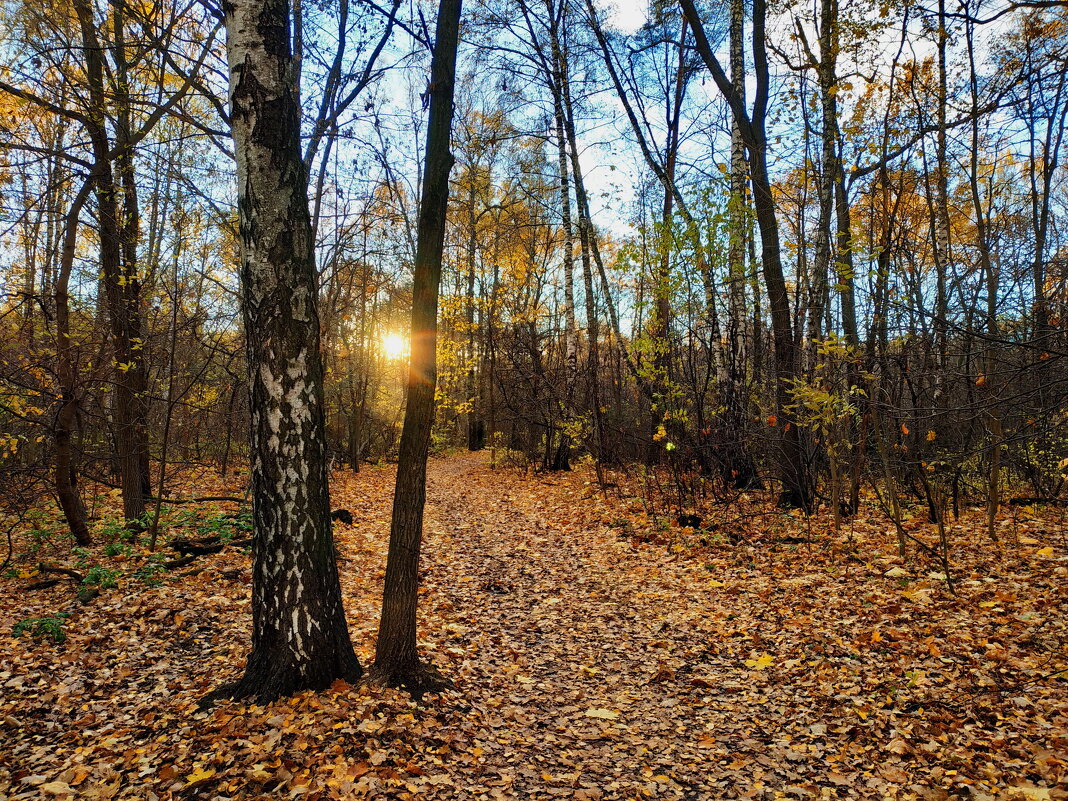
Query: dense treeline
{"type": "Point", "coordinates": [806, 248]}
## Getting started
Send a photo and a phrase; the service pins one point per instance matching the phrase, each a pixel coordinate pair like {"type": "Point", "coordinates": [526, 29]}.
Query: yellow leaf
{"type": "Point", "coordinates": [199, 775]}
{"type": "Point", "coordinates": [1047, 551]}
{"type": "Point", "coordinates": [603, 714]}
{"type": "Point", "coordinates": [761, 662]}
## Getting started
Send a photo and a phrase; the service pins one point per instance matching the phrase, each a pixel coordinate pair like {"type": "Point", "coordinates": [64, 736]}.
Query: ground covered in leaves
{"type": "Point", "coordinates": [595, 655]}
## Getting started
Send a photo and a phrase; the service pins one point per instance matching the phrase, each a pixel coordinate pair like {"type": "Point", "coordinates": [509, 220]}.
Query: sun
{"type": "Point", "coordinates": [394, 346]}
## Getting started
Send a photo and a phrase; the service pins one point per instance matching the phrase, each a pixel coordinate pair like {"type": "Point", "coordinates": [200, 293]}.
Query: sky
{"type": "Point", "coordinates": [626, 15]}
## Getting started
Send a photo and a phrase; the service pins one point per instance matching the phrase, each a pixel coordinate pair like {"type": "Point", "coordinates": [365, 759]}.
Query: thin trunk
{"type": "Point", "coordinates": [396, 654]}
{"type": "Point", "coordinates": [796, 485]}
{"type": "Point", "coordinates": [67, 417]}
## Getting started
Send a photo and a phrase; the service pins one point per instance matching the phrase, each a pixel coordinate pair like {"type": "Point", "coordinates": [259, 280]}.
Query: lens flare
{"type": "Point", "coordinates": [394, 346]}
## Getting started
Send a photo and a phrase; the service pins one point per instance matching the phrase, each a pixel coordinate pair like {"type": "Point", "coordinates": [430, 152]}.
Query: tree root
{"type": "Point", "coordinates": [266, 680]}
{"type": "Point", "coordinates": [417, 680]}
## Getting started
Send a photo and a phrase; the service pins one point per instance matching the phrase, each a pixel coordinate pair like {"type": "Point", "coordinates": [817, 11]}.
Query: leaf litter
{"type": "Point", "coordinates": [590, 662]}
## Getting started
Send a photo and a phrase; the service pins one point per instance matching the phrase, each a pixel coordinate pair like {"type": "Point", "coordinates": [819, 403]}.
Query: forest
{"type": "Point", "coordinates": [530, 399]}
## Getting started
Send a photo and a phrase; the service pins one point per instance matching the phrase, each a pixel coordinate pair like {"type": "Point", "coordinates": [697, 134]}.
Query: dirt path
{"type": "Point", "coordinates": [592, 661]}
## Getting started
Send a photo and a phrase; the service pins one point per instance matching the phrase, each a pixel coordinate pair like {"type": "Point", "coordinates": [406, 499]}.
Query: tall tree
{"type": "Point", "coordinates": [796, 485]}
{"type": "Point", "coordinates": [300, 638]}
{"type": "Point", "coordinates": [396, 655]}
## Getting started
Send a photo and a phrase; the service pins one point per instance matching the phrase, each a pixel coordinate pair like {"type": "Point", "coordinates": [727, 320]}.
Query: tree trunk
{"type": "Point", "coordinates": [793, 471]}
{"type": "Point", "coordinates": [121, 291]}
{"type": "Point", "coordinates": [396, 656]}
{"type": "Point", "coordinates": [67, 417]}
{"type": "Point", "coordinates": [300, 638]}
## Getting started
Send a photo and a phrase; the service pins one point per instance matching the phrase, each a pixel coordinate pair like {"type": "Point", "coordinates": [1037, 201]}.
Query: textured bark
{"type": "Point", "coordinates": [737, 464]}
{"type": "Point", "coordinates": [556, 78]}
{"type": "Point", "coordinates": [67, 416]}
{"type": "Point", "coordinates": [300, 638]}
{"type": "Point", "coordinates": [122, 289]}
{"type": "Point", "coordinates": [396, 655]}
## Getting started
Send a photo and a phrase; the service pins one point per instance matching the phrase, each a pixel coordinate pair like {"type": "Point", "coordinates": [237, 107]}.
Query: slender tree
{"type": "Point", "coordinates": [396, 656]}
{"type": "Point", "coordinates": [796, 484]}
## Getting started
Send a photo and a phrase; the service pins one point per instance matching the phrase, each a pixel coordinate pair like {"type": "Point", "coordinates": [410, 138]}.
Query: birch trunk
{"type": "Point", "coordinates": [300, 637]}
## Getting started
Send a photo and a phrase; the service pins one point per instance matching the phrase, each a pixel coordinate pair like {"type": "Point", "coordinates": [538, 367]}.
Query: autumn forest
{"type": "Point", "coordinates": [529, 399]}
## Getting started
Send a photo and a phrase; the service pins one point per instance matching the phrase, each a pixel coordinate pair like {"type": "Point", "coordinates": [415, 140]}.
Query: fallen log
{"type": "Point", "coordinates": [175, 564]}
{"type": "Point", "coordinates": [61, 571]}
{"type": "Point", "coordinates": [197, 547]}
{"type": "Point", "coordinates": [43, 584]}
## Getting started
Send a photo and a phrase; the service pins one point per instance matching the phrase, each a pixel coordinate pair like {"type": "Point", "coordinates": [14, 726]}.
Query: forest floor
{"type": "Point", "coordinates": [594, 656]}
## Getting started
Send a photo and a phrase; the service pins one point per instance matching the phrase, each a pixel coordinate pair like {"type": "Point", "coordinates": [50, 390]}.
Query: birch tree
{"type": "Point", "coordinates": [300, 637]}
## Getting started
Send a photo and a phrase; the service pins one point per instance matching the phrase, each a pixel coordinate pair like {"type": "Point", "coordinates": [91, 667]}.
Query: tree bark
{"type": "Point", "coordinates": [67, 416]}
{"type": "Point", "coordinates": [122, 291]}
{"type": "Point", "coordinates": [396, 655]}
{"type": "Point", "coordinates": [793, 472]}
{"type": "Point", "coordinates": [300, 638]}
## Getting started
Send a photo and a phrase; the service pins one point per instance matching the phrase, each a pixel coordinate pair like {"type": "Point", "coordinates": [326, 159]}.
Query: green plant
{"type": "Point", "coordinates": [41, 534]}
{"type": "Point", "coordinates": [113, 529]}
{"type": "Point", "coordinates": [40, 628]}
{"type": "Point", "coordinates": [152, 571]}
{"type": "Point", "coordinates": [101, 577]}
{"type": "Point", "coordinates": [82, 556]}
{"type": "Point", "coordinates": [117, 549]}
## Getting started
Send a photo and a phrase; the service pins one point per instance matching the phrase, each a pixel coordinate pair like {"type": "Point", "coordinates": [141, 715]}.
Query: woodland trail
{"type": "Point", "coordinates": [589, 663]}
{"type": "Point", "coordinates": [568, 636]}
{"type": "Point", "coordinates": [597, 666]}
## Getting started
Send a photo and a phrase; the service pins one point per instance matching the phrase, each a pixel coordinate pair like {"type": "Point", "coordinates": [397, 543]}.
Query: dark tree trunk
{"type": "Point", "coordinates": [122, 290]}
{"type": "Point", "coordinates": [300, 638]}
{"type": "Point", "coordinates": [67, 416]}
{"type": "Point", "coordinates": [793, 471]}
{"type": "Point", "coordinates": [396, 656]}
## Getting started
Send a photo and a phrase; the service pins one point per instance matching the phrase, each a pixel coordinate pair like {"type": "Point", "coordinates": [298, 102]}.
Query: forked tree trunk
{"type": "Point", "coordinates": [300, 639]}
{"type": "Point", "coordinates": [396, 656]}
{"type": "Point", "coordinates": [122, 290]}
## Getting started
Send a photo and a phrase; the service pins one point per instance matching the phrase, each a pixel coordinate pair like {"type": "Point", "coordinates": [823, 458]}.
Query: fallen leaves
{"type": "Point", "coordinates": [587, 666]}
{"type": "Point", "coordinates": [603, 714]}
{"type": "Point", "coordinates": [762, 662]}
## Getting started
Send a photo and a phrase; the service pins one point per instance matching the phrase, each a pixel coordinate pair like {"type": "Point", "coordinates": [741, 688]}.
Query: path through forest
{"type": "Point", "coordinates": [589, 663]}
{"type": "Point", "coordinates": [590, 659]}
